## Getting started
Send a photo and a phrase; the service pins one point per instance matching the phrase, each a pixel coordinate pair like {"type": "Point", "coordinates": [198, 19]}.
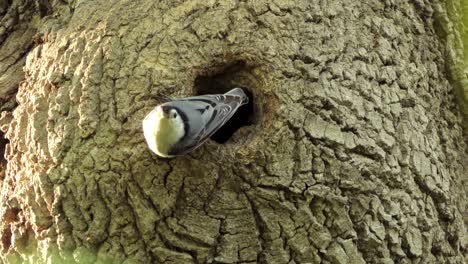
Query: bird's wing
{"type": "Point", "coordinates": [212, 111]}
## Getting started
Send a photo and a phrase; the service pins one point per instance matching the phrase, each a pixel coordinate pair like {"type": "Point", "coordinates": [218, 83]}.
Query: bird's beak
{"type": "Point", "coordinates": [162, 112]}
{"type": "Point", "coordinates": [166, 110]}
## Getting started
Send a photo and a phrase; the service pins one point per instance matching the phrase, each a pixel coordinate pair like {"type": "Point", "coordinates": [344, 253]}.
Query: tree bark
{"type": "Point", "coordinates": [356, 152]}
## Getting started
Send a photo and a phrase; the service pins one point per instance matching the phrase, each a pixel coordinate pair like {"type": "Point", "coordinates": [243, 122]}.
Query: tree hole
{"type": "Point", "coordinates": [231, 76]}
{"type": "Point", "coordinates": [3, 142]}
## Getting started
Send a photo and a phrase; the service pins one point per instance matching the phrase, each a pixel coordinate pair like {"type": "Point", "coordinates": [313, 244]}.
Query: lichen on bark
{"type": "Point", "coordinates": [356, 152]}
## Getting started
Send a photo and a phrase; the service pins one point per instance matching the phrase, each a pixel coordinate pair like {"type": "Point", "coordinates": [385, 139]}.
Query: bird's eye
{"type": "Point", "coordinates": [174, 114]}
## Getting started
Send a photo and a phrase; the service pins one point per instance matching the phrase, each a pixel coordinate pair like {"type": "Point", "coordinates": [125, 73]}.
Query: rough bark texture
{"type": "Point", "coordinates": [18, 20]}
{"type": "Point", "coordinates": [357, 153]}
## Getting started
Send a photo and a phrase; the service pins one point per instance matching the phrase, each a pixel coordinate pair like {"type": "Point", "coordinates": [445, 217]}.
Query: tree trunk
{"type": "Point", "coordinates": [353, 152]}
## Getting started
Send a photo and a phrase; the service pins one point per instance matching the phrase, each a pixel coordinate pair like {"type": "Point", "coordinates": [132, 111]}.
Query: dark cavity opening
{"type": "Point", "coordinates": [3, 142]}
{"type": "Point", "coordinates": [231, 76]}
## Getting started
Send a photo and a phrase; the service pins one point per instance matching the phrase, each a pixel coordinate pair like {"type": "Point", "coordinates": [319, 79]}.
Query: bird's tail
{"type": "Point", "coordinates": [239, 92]}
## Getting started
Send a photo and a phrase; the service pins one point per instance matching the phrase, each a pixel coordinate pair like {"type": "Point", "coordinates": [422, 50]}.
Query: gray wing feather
{"type": "Point", "coordinates": [208, 113]}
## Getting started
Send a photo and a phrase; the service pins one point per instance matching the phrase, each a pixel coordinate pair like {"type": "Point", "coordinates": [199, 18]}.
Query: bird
{"type": "Point", "coordinates": [179, 126]}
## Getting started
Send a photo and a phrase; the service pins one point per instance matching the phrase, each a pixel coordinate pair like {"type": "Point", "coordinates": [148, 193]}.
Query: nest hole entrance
{"type": "Point", "coordinates": [230, 77]}
{"type": "Point", "coordinates": [3, 142]}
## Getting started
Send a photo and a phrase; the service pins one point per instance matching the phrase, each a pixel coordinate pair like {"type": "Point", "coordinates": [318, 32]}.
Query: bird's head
{"type": "Point", "coordinates": [168, 112]}
{"type": "Point", "coordinates": [163, 128]}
